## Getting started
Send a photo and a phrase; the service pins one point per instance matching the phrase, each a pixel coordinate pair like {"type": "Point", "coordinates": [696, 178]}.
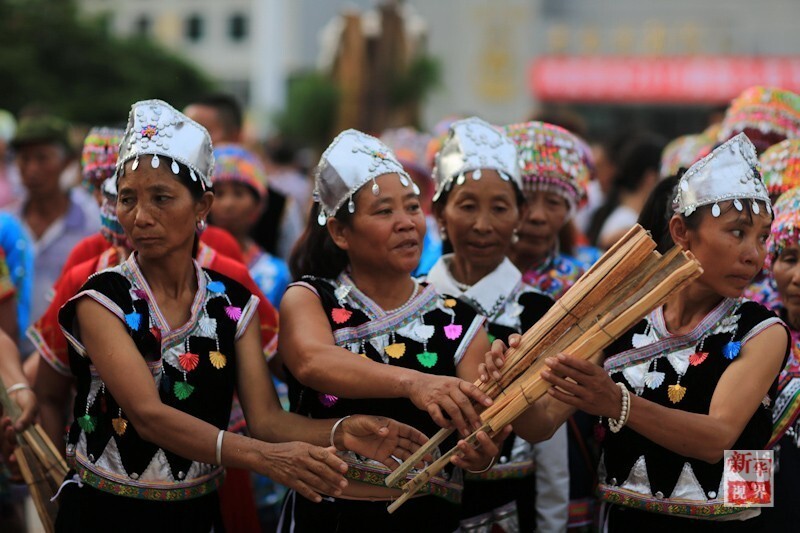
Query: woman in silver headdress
{"type": "Point", "coordinates": [359, 334]}
{"type": "Point", "coordinates": [693, 379]}
{"type": "Point", "coordinates": [157, 346]}
{"type": "Point", "coordinates": [479, 207]}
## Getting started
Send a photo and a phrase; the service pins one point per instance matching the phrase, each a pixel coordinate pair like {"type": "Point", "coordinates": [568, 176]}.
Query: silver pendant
{"type": "Point", "coordinates": [135, 164]}
{"type": "Point", "coordinates": [425, 331]}
{"type": "Point", "coordinates": [404, 181]}
{"type": "Point", "coordinates": [756, 209]}
{"type": "Point", "coordinates": [460, 179]}
{"type": "Point", "coordinates": [351, 206]}
{"type": "Point", "coordinates": [174, 166]}
{"type": "Point", "coordinates": [737, 204]}
{"type": "Point", "coordinates": [322, 219]}
{"type": "Point", "coordinates": [375, 189]}
{"type": "Point", "coordinates": [476, 175]}
{"type": "Point", "coordinates": [193, 175]}
{"type": "Point", "coordinates": [416, 189]}
{"type": "Point", "coordinates": [341, 292]}
{"type": "Point", "coordinates": [715, 211]}
{"type": "Point", "coordinates": [155, 161]}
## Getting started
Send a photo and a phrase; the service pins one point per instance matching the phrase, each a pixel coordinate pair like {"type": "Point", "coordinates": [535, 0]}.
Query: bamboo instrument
{"type": "Point", "coordinates": [627, 299]}
{"type": "Point", "coordinates": [40, 463]}
{"type": "Point", "coordinates": [591, 290]}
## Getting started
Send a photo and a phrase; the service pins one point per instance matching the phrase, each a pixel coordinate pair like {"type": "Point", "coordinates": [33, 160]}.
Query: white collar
{"type": "Point", "coordinates": [501, 282]}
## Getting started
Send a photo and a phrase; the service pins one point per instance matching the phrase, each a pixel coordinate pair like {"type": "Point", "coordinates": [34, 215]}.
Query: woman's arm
{"type": "Point", "coordinates": [308, 469]}
{"type": "Point", "coordinates": [376, 437]}
{"type": "Point", "coordinates": [310, 352]}
{"type": "Point", "coordinates": [53, 392]}
{"type": "Point", "coordinates": [11, 374]}
{"type": "Point", "coordinates": [736, 397]}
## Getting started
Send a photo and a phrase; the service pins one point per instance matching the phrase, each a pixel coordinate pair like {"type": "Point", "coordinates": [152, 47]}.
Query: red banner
{"type": "Point", "coordinates": [667, 80]}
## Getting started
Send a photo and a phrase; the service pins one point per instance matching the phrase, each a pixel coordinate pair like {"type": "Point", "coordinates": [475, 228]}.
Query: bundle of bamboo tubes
{"type": "Point", "coordinates": [626, 283]}
{"type": "Point", "coordinates": [40, 463]}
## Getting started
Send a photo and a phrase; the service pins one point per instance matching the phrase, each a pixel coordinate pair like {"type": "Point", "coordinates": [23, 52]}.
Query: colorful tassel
{"type": "Point", "coordinates": [216, 287]}
{"type": "Point", "coordinates": [341, 315]}
{"type": "Point", "coordinates": [676, 392]}
{"type": "Point", "coordinates": [654, 379]}
{"type": "Point", "coordinates": [218, 360]}
{"type": "Point", "coordinates": [140, 293]}
{"type": "Point", "coordinates": [156, 333]}
{"type": "Point", "coordinates": [697, 358]}
{"type": "Point", "coordinates": [182, 390]}
{"type": "Point", "coordinates": [134, 320]}
{"type": "Point", "coordinates": [87, 423]}
{"type": "Point", "coordinates": [189, 361]}
{"type": "Point", "coordinates": [427, 359]}
{"type": "Point", "coordinates": [453, 331]}
{"type": "Point", "coordinates": [120, 425]}
{"type": "Point", "coordinates": [208, 326]}
{"type": "Point", "coordinates": [731, 350]}
{"type": "Point", "coordinates": [328, 400]}
{"type": "Point", "coordinates": [233, 312]}
{"type": "Point", "coordinates": [396, 350]}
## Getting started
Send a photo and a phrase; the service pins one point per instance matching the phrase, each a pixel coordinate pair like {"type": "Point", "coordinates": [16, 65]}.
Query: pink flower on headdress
{"type": "Point", "coordinates": [149, 131]}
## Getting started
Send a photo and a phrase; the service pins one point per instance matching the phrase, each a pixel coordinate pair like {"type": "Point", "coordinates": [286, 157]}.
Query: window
{"type": "Point", "coordinates": [237, 27]}
{"type": "Point", "coordinates": [194, 28]}
{"type": "Point", "coordinates": [143, 25]}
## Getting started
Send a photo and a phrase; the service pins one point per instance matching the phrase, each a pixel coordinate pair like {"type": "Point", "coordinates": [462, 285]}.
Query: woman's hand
{"type": "Point", "coordinates": [449, 401]}
{"type": "Point", "coordinates": [8, 442]}
{"type": "Point", "coordinates": [480, 456]}
{"type": "Point", "coordinates": [379, 438]}
{"type": "Point", "coordinates": [308, 469]}
{"type": "Point", "coordinates": [589, 387]}
{"type": "Point", "coordinates": [26, 400]}
{"type": "Point", "coordinates": [495, 358]}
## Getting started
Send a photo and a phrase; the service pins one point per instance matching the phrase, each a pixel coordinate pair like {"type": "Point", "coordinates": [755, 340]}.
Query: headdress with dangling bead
{"type": "Point", "coordinates": [730, 172]}
{"type": "Point", "coordinates": [471, 146]}
{"type": "Point", "coordinates": [156, 128]}
{"type": "Point", "coordinates": [352, 159]}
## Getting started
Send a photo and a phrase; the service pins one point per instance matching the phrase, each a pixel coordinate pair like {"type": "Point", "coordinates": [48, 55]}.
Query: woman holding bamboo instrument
{"type": "Point", "coordinates": [478, 206]}
{"type": "Point", "coordinates": [697, 376]}
{"type": "Point", "coordinates": [157, 345]}
{"type": "Point", "coordinates": [358, 333]}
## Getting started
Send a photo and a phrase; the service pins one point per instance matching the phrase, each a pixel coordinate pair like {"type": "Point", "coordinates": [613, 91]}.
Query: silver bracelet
{"type": "Point", "coordinates": [336, 425]}
{"type": "Point", "coordinates": [18, 387]}
{"type": "Point", "coordinates": [491, 464]}
{"type": "Point", "coordinates": [220, 435]}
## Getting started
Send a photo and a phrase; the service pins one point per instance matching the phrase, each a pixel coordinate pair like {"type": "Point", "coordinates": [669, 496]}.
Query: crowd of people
{"type": "Point", "coordinates": [218, 338]}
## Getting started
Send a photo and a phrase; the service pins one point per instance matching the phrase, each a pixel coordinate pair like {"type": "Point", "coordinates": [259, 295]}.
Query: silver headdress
{"type": "Point", "coordinates": [158, 129]}
{"type": "Point", "coordinates": [351, 160]}
{"type": "Point", "coordinates": [473, 144]}
{"type": "Point", "coordinates": [730, 172]}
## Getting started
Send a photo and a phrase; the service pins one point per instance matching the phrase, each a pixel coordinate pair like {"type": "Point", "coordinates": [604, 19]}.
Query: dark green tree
{"type": "Point", "coordinates": [53, 58]}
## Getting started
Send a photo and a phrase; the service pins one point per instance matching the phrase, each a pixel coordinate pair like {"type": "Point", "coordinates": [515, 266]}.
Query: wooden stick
{"type": "Point", "coordinates": [591, 290]}
{"type": "Point", "coordinates": [636, 297]}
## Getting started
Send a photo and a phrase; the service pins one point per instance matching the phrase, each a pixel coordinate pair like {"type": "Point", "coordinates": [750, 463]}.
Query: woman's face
{"type": "Point", "coordinates": [547, 214]}
{"type": "Point", "coordinates": [731, 248]}
{"type": "Point", "coordinates": [386, 231]}
{"type": "Point", "coordinates": [157, 211]}
{"type": "Point", "coordinates": [480, 217]}
{"type": "Point", "coordinates": [235, 207]}
{"type": "Point", "coordinates": [786, 272]}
